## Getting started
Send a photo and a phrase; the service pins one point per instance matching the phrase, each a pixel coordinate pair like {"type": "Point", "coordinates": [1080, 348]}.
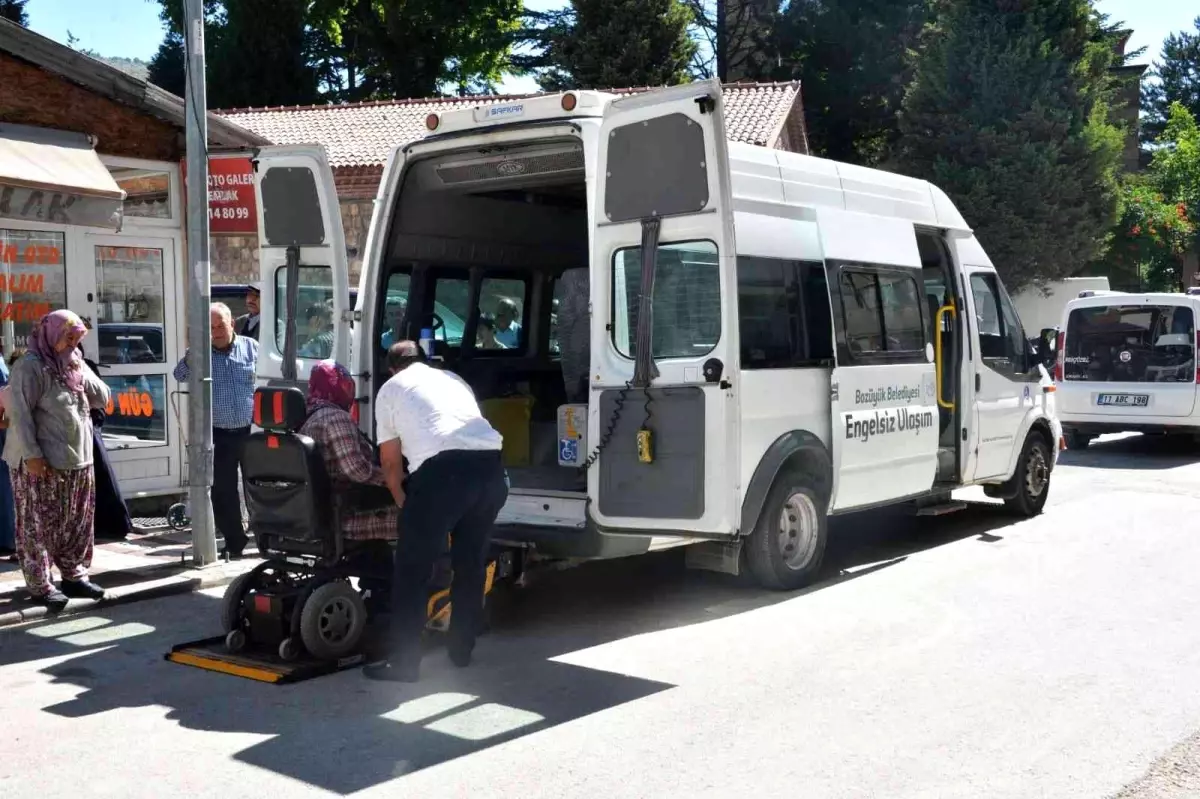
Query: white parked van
{"type": "Point", "coordinates": [772, 337]}
{"type": "Point", "coordinates": [1127, 362]}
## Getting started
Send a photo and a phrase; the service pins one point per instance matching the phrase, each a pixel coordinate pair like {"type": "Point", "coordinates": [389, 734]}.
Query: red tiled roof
{"type": "Point", "coordinates": [359, 135]}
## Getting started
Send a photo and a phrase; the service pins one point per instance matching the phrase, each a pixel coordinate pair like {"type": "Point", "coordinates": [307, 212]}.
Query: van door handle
{"type": "Point", "coordinates": [978, 381]}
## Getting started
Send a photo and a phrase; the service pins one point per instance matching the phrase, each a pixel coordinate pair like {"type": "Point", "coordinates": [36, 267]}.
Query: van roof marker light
{"type": "Point", "coordinates": [432, 121]}
{"type": "Point", "coordinates": [569, 101]}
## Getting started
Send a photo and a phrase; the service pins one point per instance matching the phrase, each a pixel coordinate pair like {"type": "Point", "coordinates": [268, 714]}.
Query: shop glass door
{"type": "Point", "coordinates": [130, 300]}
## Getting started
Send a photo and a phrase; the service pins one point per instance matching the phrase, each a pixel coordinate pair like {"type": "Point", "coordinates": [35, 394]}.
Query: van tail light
{"type": "Point", "coordinates": [1060, 357]}
{"type": "Point", "coordinates": [1196, 357]}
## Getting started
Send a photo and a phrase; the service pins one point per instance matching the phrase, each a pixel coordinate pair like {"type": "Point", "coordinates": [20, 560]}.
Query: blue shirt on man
{"type": "Point", "coordinates": [233, 373]}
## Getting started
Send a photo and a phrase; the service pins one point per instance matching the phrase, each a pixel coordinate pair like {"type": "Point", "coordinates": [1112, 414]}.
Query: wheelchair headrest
{"type": "Point", "coordinates": [280, 410]}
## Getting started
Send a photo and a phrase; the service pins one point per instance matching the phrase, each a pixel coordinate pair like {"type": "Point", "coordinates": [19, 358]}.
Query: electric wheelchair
{"type": "Point", "coordinates": [300, 598]}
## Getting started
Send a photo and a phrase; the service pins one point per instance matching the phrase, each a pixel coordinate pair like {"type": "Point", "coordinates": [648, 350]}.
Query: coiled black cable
{"type": "Point", "coordinates": [610, 431]}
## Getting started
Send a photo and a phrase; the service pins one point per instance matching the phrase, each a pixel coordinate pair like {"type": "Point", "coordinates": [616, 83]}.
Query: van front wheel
{"type": "Point", "coordinates": [1032, 479]}
{"type": "Point", "coordinates": [786, 548]}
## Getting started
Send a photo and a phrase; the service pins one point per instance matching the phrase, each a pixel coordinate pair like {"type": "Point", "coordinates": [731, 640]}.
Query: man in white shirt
{"type": "Point", "coordinates": [454, 485]}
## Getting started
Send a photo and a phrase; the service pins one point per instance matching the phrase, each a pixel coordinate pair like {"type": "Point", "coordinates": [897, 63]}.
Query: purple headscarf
{"type": "Point", "coordinates": [330, 383]}
{"type": "Point", "coordinates": [50, 329]}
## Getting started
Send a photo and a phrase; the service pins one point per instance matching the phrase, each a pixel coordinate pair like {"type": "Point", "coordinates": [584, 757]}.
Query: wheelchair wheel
{"type": "Point", "coordinates": [231, 603]}
{"type": "Point", "coordinates": [332, 620]}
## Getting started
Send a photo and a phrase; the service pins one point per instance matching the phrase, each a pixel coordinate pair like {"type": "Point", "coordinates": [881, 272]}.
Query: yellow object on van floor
{"type": "Point", "coordinates": [511, 416]}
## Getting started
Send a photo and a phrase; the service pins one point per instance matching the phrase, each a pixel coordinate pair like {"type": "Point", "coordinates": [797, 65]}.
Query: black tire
{"type": "Point", "coordinates": [786, 555]}
{"type": "Point", "coordinates": [1032, 478]}
{"type": "Point", "coordinates": [332, 620]}
{"type": "Point", "coordinates": [231, 602]}
{"type": "Point", "coordinates": [1077, 440]}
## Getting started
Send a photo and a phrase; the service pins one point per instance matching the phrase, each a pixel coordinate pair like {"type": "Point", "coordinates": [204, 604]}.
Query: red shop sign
{"type": "Point", "coordinates": [231, 208]}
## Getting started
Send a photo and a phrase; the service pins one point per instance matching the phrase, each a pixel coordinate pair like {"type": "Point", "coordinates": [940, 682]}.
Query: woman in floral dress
{"type": "Point", "coordinates": [49, 453]}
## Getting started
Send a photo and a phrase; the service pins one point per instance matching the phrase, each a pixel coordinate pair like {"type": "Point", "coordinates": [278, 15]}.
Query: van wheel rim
{"type": "Point", "coordinates": [797, 537]}
{"type": "Point", "coordinates": [335, 621]}
{"type": "Point", "coordinates": [1037, 475]}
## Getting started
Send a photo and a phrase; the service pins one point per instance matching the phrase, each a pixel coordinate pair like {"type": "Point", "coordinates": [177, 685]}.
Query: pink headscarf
{"type": "Point", "coordinates": [330, 383]}
{"type": "Point", "coordinates": [50, 329]}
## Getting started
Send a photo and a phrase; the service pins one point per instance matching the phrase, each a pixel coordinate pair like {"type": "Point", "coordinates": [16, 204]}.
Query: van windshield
{"type": "Point", "coordinates": [1131, 344]}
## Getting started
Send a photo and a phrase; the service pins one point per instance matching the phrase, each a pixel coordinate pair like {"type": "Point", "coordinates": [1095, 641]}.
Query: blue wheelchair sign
{"type": "Point", "coordinates": [568, 449]}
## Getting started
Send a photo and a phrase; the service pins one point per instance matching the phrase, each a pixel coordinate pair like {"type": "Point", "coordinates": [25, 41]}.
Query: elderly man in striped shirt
{"type": "Point", "coordinates": [234, 363]}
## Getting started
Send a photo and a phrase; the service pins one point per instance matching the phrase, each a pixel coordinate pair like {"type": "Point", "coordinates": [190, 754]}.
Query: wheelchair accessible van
{"type": "Point", "coordinates": [301, 598]}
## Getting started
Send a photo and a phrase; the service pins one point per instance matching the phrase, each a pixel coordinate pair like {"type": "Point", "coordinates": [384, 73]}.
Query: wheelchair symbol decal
{"type": "Point", "coordinates": [568, 449]}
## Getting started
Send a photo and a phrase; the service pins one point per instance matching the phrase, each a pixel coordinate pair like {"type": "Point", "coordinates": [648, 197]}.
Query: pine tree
{"type": "Point", "coordinates": [597, 44]}
{"type": "Point", "coordinates": [1008, 114]}
{"type": "Point", "coordinates": [1178, 81]}
{"type": "Point", "coordinates": [853, 59]}
{"type": "Point", "coordinates": [14, 11]}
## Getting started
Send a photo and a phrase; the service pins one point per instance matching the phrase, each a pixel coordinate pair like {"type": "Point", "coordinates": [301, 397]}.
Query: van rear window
{"type": "Point", "coordinates": [1131, 344]}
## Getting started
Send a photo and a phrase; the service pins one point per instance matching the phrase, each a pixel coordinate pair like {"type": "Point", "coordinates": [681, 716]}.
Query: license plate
{"type": "Point", "coordinates": [1124, 400]}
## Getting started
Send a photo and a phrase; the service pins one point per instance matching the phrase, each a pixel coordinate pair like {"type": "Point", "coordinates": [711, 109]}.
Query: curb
{"type": "Point", "coordinates": [155, 588]}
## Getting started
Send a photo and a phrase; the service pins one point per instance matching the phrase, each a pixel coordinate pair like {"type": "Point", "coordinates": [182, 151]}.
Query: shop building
{"type": "Point", "coordinates": [92, 219]}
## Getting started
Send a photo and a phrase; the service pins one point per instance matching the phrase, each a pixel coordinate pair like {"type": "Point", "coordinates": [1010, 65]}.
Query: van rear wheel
{"type": "Point", "coordinates": [1032, 478]}
{"type": "Point", "coordinates": [786, 548]}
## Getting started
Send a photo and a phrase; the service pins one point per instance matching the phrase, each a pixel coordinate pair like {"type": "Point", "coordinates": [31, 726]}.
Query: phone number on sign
{"type": "Point", "coordinates": [228, 213]}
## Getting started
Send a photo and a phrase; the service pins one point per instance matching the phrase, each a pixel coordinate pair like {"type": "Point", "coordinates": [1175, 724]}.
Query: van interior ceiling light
{"type": "Point", "coordinates": [432, 121]}
{"type": "Point", "coordinates": [569, 101]}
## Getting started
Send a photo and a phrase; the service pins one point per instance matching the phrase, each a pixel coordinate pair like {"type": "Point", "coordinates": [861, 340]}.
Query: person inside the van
{"type": "Point", "coordinates": [394, 316]}
{"type": "Point", "coordinates": [487, 335]}
{"type": "Point", "coordinates": [508, 329]}
{"type": "Point", "coordinates": [319, 319]}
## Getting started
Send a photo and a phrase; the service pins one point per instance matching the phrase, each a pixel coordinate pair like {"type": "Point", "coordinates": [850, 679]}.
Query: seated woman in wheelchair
{"type": "Point", "coordinates": [364, 505]}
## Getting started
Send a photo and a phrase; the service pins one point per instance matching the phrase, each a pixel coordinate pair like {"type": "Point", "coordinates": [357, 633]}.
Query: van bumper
{"type": "Point", "coordinates": [572, 543]}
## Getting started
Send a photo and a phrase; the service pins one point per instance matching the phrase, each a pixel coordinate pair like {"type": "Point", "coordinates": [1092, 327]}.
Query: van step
{"type": "Point", "coordinates": [942, 509]}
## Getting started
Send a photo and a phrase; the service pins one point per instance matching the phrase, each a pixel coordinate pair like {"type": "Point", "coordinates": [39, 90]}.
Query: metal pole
{"type": "Point", "coordinates": [199, 336]}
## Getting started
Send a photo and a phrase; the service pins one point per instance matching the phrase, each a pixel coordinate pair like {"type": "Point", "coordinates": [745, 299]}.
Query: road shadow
{"type": "Point", "coordinates": [343, 733]}
{"type": "Point", "coordinates": [1136, 452]}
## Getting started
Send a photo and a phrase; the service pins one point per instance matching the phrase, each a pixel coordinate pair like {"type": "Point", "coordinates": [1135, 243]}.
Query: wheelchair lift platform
{"type": "Point", "coordinates": [211, 654]}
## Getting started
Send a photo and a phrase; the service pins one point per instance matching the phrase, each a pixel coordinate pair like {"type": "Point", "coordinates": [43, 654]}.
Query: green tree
{"type": "Point", "coordinates": [14, 11]}
{"type": "Point", "coordinates": [1175, 78]}
{"type": "Point", "coordinates": [854, 61]}
{"type": "Point", "coordinates": [1008, 113]}
{"type": "Point", "coordinates": [595, 44]}
{"type": "Point", "coordinates": [276, 52]}
{"type": "Point", "coordinates": [168, 67]}
{"type": "Point", "coordinates": [369, 49]}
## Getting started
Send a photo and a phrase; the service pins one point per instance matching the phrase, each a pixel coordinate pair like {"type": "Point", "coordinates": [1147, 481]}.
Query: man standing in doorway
{"type": "Point", "coordinates": [234, 363]}
{"type": "Point", "coordinates": [247, 323]}
{"type": "Point", "coordinates": [455, 485]}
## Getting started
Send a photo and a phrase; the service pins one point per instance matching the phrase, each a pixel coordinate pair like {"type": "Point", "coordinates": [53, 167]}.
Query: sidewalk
{"type": "Point", "coordinates": [154, 561]}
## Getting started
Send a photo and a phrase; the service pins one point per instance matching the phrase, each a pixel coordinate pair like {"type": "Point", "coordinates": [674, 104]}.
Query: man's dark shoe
{"type": "Point", "coordinates": [459, 655]}
{"type": "Point", "coordinates": [82, 589]}
{"type": "Point", "coordinates": [54, 601]}
{"type": "Point", "coordinates": [386, 671]}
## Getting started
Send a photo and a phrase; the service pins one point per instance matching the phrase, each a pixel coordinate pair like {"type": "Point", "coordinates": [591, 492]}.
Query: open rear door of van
{"type": "Point", "coordinates": [303, 265]}
{"type": "Point", "coordinates": [664, 416]}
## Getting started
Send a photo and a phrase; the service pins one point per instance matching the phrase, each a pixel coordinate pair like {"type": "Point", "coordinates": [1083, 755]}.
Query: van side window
{"type": "Point", "coordinates": [1002, 342]}
{"type": "Point", "coordinates": [314, 311]}
{"type": "Point", "coordinates": [395, 303]}
{"type": "Point", "coordinates": [883, 312]}
{"type": "Point", "coordinates": [783, 313]}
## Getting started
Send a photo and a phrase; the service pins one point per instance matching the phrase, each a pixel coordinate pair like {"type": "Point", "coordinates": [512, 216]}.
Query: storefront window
{"type": "Point", "coordinates": [137, 410]}
{"type": "Point", "coordinates": [129, 304]}
{"type": "Point", "coordinates": [147, 194]}
{"type": "Point", "coordinates": [33, 282]}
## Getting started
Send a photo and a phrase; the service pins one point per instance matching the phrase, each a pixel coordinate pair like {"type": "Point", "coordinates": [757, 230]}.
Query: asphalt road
{"type": "Point", "coordinates": [961, 656]}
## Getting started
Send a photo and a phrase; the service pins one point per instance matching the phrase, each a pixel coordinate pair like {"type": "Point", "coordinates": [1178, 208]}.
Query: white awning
{"type": "Point", "coordinates": [55, 176]}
